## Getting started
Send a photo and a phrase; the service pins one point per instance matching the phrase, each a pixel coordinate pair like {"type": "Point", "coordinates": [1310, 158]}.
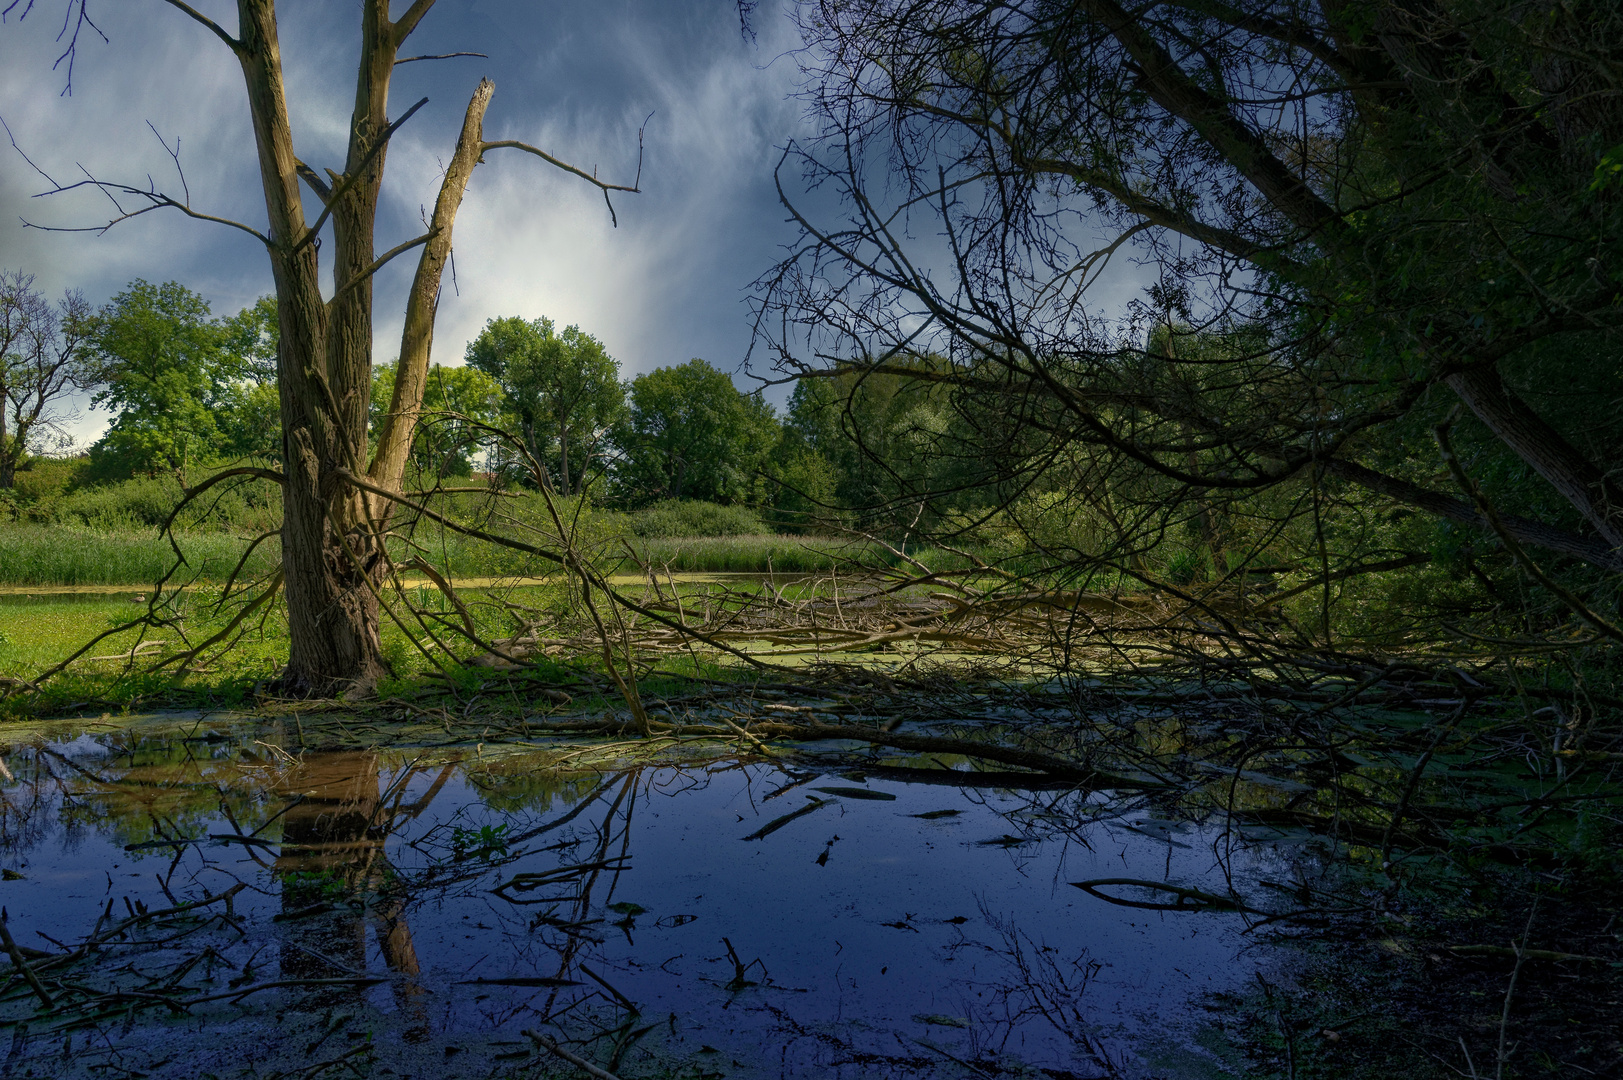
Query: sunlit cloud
{"type": "Point", "coordinates": [668, 284]}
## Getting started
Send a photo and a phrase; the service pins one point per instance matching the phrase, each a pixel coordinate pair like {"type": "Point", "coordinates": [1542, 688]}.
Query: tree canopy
{"type": "Point", "coordinates": [692, 434]}
{"type": "Point", "coordinates": [562, 391]}
{"type": "Point", "coordinates": [460, 405]}
{"type": "Point", "coordinates": [1361, 221]}
{"type": "Point", "coordinates": [187, 391]}
{"type": "Point", "coordinates": [158, 357]}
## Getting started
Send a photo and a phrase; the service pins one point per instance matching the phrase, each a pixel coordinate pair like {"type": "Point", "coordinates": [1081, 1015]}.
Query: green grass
{"type": "Point", "coordinates": [36, 633]}
{"type": "Point", "coordinates": [44, 556]}
{"type": "Point", "coordinates": [63, 555]}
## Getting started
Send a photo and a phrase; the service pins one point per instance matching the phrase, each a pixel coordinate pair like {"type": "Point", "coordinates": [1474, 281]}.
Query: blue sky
{"type": "Point", "coordinates": [576, 79]}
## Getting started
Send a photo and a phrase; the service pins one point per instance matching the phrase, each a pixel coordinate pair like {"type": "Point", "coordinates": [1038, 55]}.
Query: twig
{"type": "Point", "coordinates": [579, 1062]}
{"type": "Point", "coordinates": [21, 964]}
{"type": "Point", "coordinates": [1510, 991]}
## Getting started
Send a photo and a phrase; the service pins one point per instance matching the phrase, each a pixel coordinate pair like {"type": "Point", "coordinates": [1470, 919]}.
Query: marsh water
{"type": "Point", "coordinates": [416, 911]}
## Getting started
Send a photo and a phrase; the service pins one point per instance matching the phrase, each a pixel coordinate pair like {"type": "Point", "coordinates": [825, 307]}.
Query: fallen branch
{"type": "Point", "coordinates": [22, 965]}
{"type": "Point", "coordinates": [777, 823]}
{"type": "Point", "coordinates": [579, 1062]}
{"type": "Point", "coordinates": [135, 653]}
{"type": "Point", "coordinates": [1501, 951]}
{"type": "Point", "coordinates": [1084, 775]}
{"type": "Point", "coordinates": [1187, 899]}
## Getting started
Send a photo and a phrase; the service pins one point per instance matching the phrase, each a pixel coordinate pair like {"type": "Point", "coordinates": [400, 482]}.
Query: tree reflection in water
{"type": "Point", "coordinates": [332, 858]}
{"type": "Point", "coordinates": [493, 887]}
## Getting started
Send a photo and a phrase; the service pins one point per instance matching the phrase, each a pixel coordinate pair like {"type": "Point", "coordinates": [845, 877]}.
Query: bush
{"type": "Point", "coordinates": [132, 504]}
{"type": "Point", "coordinates": [693, 517]}
{"type": "Point", "coordinates": [45, 478]}
{"type": "Point", "coordinates": [146, 502]}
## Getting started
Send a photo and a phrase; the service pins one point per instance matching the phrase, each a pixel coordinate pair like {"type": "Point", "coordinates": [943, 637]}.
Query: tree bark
{"type": "Point", "coordinates": [332, 552]}
{"type": "Point", "coordinates": [1513, 422]}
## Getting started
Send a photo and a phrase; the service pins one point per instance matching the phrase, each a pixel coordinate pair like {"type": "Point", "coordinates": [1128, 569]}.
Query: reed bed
{"type": "Point", "coordinates": [46, 555]}
{"type": "Point", "coordinates": [59, 555]}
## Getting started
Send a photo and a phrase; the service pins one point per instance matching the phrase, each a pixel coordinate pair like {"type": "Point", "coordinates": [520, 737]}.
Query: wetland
{"type": "Point", "coordinates": [225, 895]}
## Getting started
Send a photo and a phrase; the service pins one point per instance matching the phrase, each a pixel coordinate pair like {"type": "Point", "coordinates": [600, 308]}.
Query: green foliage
{"type": "Point", "coordinates": [807, 489]}
{"type": "Point", "coordinates": [188, 390]}
{"type": "Point", "coordinates": [895, 453]}
{"type": "Point", "coordinates": [48, 478]}
{"type": "Point", "coordinates": [747, 554]}
{"type": "Point", "coordinates": [693, 517]}
{"type": "Point", "coordinates": [485, 842]}
{"type": "Point", "coordinates": [249, 341]}
{"type": "Point", "coordinates": [691, 434]}
{"type": "Point", "coordinates": [561, 391]}
{"type": "Point", "coordinates": [158, 355]}
{"type": "Point", "coordinates": [456, 401]}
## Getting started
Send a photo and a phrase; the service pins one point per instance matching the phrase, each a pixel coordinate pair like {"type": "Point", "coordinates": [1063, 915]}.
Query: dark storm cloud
{"type": "Point", "coordinates": [575, 79]}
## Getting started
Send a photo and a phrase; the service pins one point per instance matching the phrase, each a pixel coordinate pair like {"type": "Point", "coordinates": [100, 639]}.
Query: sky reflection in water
{"type": "Point", "coordinates": [902, 933]}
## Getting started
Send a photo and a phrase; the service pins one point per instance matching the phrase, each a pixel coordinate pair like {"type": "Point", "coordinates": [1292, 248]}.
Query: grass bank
{"type": "Point", "coordinates": [46, 555]}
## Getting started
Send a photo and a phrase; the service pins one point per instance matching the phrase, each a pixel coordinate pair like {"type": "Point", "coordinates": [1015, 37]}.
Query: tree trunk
{"type": "Point", "coordinates": [332, 554]}
{"type": "Point", "coordinates": [563, 454]}
{"type": "Point", "coordinates": [411, 377]}
{"type": "Point", "coordinates": [8, 463]}
{"type": "Point", "coordinates": [1513, 422]}
{"type": "Point", "coordinates": [1525, 531]}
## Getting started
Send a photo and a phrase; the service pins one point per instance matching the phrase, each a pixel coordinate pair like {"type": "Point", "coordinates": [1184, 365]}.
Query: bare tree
{"type": "Point", "coordinates": [333, 552]}
{"type": "Point", "coordinates": [41, 365]}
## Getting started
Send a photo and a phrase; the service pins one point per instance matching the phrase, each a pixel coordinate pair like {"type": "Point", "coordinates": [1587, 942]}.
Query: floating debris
{"type": "Point", "coordinates": [857, 793]}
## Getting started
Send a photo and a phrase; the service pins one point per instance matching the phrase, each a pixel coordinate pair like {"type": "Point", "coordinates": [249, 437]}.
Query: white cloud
{"type": "Point", "coordinates": [531, 240]}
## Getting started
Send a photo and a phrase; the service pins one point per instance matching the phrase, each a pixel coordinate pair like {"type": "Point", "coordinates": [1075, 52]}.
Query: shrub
{"type": "Point", "coordinates": [693, 517]}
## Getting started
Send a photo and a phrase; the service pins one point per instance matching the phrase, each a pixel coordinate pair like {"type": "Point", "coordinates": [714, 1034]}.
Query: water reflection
{"type": "Point", "coordinates": [332, 862]}
{"type": "Point", "coordinates": [798, 917]}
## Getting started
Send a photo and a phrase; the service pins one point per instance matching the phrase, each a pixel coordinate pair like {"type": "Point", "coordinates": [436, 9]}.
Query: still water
{"type": "Point", "coordinates": [421, 909]}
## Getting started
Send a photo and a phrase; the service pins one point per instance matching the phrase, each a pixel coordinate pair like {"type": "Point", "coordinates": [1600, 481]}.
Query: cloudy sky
{"type": "Point", "coordinates": [576, 79]}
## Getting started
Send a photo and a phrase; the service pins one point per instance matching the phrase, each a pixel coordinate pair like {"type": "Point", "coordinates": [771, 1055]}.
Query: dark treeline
{"type": "Point", "coordinates": [1378, 343]}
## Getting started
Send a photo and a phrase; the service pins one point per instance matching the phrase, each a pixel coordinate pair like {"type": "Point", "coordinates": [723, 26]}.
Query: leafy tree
{"type": "Point", "coordinates": [562, 389]}
{"type": "Point", "coordinates": [250, 417]}
{"type": "Point", "coordinates": [158, 357]}
{"type": "Point", "coordinates": [42, 362]}
{"type": "Point", "coordinates": [896, 449]}
{"type": "Point", "coordinates": [692, 435]}
{"type": "Point", "coordinates": [1397, 208]}
{"type": "Point", "coordinates": [456, 400]}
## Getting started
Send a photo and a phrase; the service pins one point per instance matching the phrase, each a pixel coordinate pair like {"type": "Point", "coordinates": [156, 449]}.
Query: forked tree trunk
{"type": "Point", "coordinates": [332, 556]}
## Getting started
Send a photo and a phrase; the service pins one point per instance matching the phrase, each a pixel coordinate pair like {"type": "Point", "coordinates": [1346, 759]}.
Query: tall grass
{"type": "Point", "coordinates": [105, 536]}
{"type": "Point", "coordinates": [692, 517]}
{"type": "Point", "coordinates": [64, 555]}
